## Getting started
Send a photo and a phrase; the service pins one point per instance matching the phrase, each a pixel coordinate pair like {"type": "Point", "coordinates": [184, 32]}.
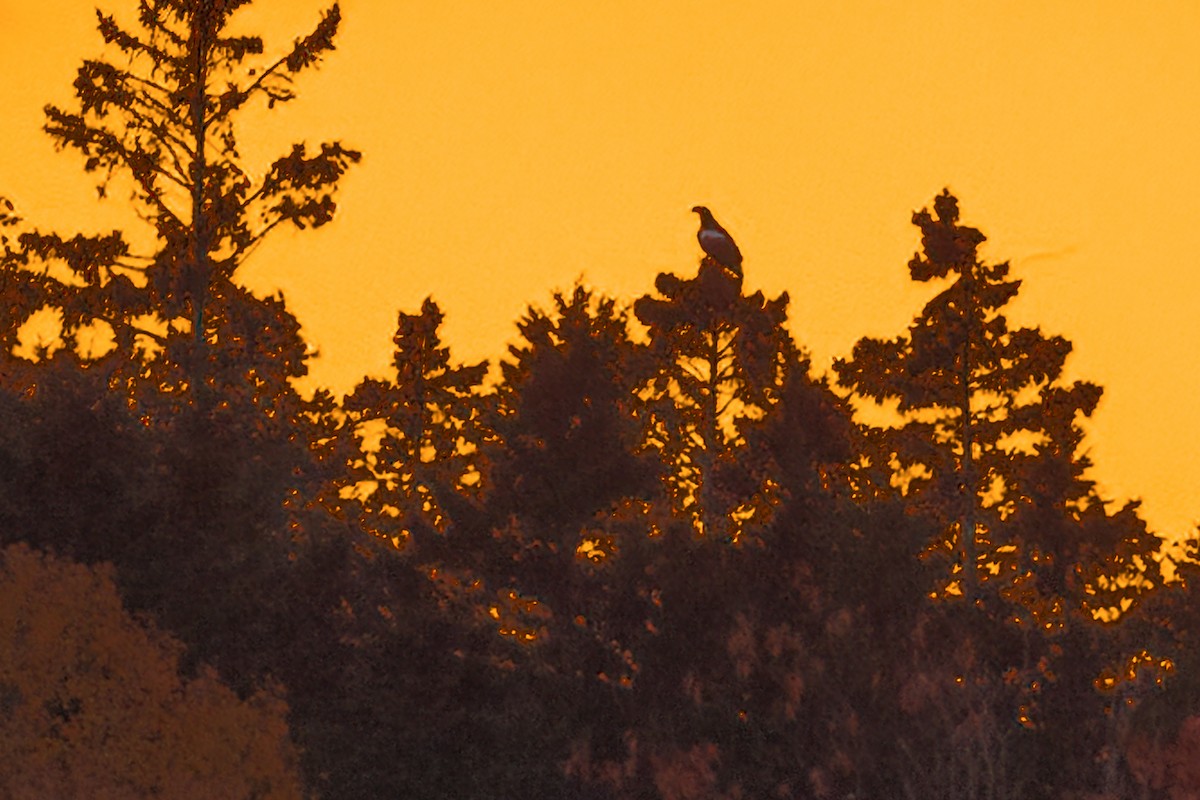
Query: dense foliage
{"type": "Point", "coordinates": [94, 705]}
{"type": "Point", "coordinates": [654, 555]}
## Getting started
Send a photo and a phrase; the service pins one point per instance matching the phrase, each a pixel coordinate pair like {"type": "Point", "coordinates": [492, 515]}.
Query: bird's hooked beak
{"type": "Point", "coordinates": [699, 210]}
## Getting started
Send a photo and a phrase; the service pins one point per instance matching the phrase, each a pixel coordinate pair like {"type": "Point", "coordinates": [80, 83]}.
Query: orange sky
{"type": "Point", "coordinates": [511, 148]}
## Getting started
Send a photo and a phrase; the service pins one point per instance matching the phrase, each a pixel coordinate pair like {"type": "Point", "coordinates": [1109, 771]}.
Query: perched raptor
{"type": "Point", "coordinates": [716, 242]}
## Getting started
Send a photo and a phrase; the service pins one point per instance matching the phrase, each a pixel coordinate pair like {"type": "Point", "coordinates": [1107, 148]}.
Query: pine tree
{"type": "Point", "coordinates": [989, 431]}
{"type": "Point", "coordinates": [720, 359]}
{"type": "Point", "coordinates": [988, 446]}
{"type": "Point", "coordinates": [566, 412]}
{"type": "Point", "coordinates": [421, 432]}
{"type": "Point", "coordinates": [570, 500]}
{"type": "Point", "coordinates": [160, 118]}
{"type": "Point", "coordinates": [565, 458]}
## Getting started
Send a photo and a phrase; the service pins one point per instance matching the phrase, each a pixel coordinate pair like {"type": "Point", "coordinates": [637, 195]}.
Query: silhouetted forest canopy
{"type": "Point", "coordinates": [655, 555]}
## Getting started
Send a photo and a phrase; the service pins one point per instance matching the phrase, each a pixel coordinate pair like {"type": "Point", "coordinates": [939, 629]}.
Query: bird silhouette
{"type": "Point", "coordinates": [716, 242]}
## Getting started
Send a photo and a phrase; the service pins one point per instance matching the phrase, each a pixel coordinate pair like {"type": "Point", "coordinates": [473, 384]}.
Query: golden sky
{"type": "Point", "coordinates": [511, 148]}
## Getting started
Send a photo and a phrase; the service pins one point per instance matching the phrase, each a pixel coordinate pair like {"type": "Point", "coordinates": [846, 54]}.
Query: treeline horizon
{"type": "Point", "coordinates": [670, 564]}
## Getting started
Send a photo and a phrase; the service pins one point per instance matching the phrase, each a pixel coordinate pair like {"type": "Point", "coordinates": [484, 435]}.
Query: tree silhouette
{"type": "Point", "coordinates": [164, 115]}
{"type": "Point", "coordinates": [990, 431]}
{"type": "Point", "coordinates": [426, 428]}
{"type": "Point", "coordinates": [566, 413]}
{"type": "Point", "coordinates": [988, 446]}
{"type": "Point", "coordinates": [427, 674]}
{"type": "Point", "coordinates": [570, 501]}
{"type": "Point", "coordinates": [720, 358]}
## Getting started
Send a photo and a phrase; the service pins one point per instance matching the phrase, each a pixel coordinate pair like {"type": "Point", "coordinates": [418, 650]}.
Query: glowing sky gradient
{"type": "Point", "coordinates": [511, 148]}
